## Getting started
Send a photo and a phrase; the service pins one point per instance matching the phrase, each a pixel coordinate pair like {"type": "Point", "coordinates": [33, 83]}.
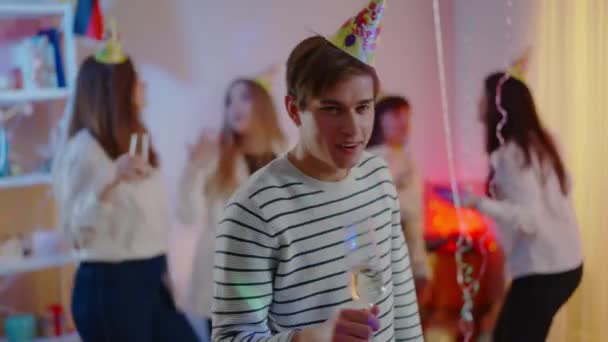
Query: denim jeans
{"type": "Point", "coordinates": [127, 302]}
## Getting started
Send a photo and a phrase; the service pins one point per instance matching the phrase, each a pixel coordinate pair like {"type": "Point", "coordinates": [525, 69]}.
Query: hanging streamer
{"type": "Point", "coordinates": [503, 112]}
{"type": "Point", "coordinates": [468, 283]}
{"type": "Point", "coordinates": [464, 243]}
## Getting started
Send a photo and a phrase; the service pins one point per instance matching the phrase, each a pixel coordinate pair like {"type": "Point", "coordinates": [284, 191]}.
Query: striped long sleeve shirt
{"type": "Point", "coordinates": [280, 258]}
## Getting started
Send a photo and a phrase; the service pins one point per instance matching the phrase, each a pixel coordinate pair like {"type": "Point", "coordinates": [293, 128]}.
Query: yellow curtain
{"type": "Point", "coordinates": [570, 80]}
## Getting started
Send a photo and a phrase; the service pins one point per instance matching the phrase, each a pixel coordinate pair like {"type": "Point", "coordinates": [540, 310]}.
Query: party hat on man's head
{"type": "Point", "coordinates": [111, 52]}
{"type": "Point", "coordinates": [266, 78]}
{"type": "Point", "coordinates": [519, 67]}
{"type": "Point", "coordinates": [358, 36]}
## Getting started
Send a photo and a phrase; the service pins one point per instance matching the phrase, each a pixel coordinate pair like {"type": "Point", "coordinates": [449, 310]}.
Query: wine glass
{"type": "Point", "coordinates": [363, 261]}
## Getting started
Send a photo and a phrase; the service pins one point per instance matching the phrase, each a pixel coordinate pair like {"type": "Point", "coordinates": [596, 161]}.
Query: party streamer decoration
{"type": "Point", "coordinates": [467, 282]}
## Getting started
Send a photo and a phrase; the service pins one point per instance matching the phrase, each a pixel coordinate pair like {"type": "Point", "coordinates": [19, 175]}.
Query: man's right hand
{"type": "Point", "coordinates": [348, 325]}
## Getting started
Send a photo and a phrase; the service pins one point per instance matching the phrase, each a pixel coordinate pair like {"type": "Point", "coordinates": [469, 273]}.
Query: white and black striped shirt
{"type": "Point", "coordinates": [279, 260]}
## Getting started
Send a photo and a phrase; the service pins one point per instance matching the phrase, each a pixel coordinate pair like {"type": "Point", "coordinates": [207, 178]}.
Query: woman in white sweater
{"type": "Point", "coordinates": [114, 210]}
{"type": "Point", "coordinates": [250, 138]}
{"type": "Point", "coordinates": [532, 206]}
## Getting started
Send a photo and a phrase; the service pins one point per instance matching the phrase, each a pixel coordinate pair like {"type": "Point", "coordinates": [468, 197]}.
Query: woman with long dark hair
{"type": "Point", "coordinates": [530, 200]}
{"type": "Point", "coordinates": [114, 209]}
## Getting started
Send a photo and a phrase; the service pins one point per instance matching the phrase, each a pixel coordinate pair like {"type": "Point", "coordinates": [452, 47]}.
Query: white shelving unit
{"type": "Point", "coordinates": [31, 9]}
{"type": "Point", "coordinates": [37, 95]}
{"type": "Point", "coordinates": [25, 9]}
{"type": "Point", "coordinates": [36, 263]}
{"type": "Point", "coordinates": [25, 180]}
{"type": "Point", "coordinates": [64, 14]}
{"type": "Point", "coordinates": [21, 9]}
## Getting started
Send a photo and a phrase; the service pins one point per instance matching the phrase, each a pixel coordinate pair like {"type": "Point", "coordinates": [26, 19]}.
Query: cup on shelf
{"type": "Point", "coordinates": [5, 82]}
{"type": "Point", "coordinates": [4, 153]}
{"type": "Point", "coordinates": [20, 328]}
{"type": "Point", "coordinates": [46, 242]}
{"type": "Point", "coordinates": [11, 249]}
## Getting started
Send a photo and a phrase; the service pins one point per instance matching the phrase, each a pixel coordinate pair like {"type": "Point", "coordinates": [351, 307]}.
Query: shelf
{"type": "Point", "coordinates": [36, 95]}
{"type": "Point", "coordinates": [36, 263]}
{"type": "Point", "coordinates": [25, 181]}
{"type": "Point", "coordinates": [32, 9]}
{"type": "Point", "coordinates": [67, 338]}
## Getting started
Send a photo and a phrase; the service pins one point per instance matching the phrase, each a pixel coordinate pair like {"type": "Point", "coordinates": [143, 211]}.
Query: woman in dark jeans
{"type": "Point", "coordinates": [114, 209]}
{"type": "Point", "coordinates": [532, 206]}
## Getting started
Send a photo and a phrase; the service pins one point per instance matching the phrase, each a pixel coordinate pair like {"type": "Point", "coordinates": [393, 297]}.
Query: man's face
{"type": "Point", "coordinates": [336, 126]}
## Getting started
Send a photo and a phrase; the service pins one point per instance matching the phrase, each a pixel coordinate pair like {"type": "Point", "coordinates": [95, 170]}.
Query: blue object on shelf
{"type": "Point", "coordinates": [4, 152]}
{"type": "Point", "coordinates": [53, 37]}
{"type": "Point", "coordinates": [20, 328]}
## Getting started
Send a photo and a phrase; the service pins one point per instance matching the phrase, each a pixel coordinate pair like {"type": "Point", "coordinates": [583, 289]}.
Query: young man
{"type": "Point", "coordinates": [280, 272]}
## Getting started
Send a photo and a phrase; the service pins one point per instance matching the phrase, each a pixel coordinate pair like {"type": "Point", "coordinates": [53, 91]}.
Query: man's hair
{"type": "Point", "coordinates": [316, 65]}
